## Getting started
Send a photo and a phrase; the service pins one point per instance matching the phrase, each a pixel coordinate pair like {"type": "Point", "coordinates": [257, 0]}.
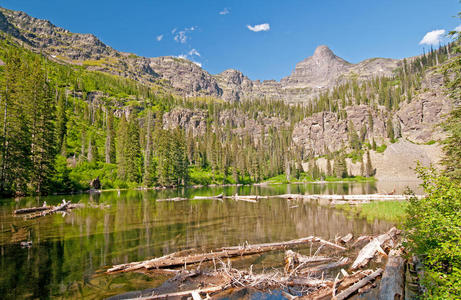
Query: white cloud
{"type": "Point", "coordinates": [160, 37]}
{"type": "Point", "coordinates": [225, 11]}
{"type": "Point", "coordinates": [181, 36]}
{"type": "Point", "coordinates": [197, 63]}
{"type": "Point", "coordinates": [174, 30]}
{"type": "Point", "coordinates": [183, 56]}
{"type": "Point", "coordinates": [433, 37]}
{"type": "Point", "coordinates": [259, 27]}
{"type": "Point", "coordinates": [194, 52]}
{"type": "Point", "coordinates": [458, 28]}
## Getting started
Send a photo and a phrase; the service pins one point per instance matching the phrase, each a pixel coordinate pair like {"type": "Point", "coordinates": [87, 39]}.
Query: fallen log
{"type": "Point", "coordinates": [176, 199]}
{"type": "Point", "coordinates": [225, 252]}
{"type": "Point", "coordinates": [361, 283]}
{"type": "Point", "coordinates": [30, 210]}
{"type": "Point", "coordinates": [322, 268]}
{"type": "Point", "coordinates": [392, 282]}
{"type": "Point", "coordinates": [248, 197]}
{"type": "Point", "coordinates": [217, 197]}
{"type": "Point", "coordinates": [370, 249]}
{"type": "Point", "coordinates": [175, 261]}
{"type": "Point", "coordinates": [208, 290]}
{"type": "Point", "coordinates": [346, 239]}
{"type": "Point", "coordinates": [60, 207]}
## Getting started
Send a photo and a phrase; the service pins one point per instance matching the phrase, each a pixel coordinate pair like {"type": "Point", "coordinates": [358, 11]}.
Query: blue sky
{"type": "Point", "coordinates": [219, 30]}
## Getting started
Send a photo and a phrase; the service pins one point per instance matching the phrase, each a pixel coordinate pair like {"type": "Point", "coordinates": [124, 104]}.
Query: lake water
{"type": "Point", "coordinates": [70, 253]}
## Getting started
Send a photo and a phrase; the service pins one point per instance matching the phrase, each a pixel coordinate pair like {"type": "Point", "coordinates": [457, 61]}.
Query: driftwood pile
{"type": "Point", "coordinates": [309, 277]}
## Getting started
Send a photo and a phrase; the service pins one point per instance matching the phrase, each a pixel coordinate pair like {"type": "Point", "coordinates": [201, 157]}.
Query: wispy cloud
{"type": "Point", "coordinates": [194, 52]}
{"type": "Point", "coordinates": [159, 37]}
{"type": "Point", "coordinates": [458, 28]}
{"type": "Point", "coordinates": [225, 11]}
{"type": "Point", "coordinates": [181, 36]}
{"type": "Point", "coordinates": [433, 37]}
{"type": "Point", "coordinates": [259, 27]}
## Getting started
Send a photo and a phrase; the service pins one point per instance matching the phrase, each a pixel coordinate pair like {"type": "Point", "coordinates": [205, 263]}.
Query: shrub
{"type": "Point", "coordinates": [433, 228]}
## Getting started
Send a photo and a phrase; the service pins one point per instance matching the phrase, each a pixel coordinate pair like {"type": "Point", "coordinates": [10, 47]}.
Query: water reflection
{"type": "Point", "coordinates": [68, 252]}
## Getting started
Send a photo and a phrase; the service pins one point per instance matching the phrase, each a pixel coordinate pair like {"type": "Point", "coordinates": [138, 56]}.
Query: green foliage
{"type": "Point", "coordinates": [433, 227]}
{"type": "Point", "coordinates": [381, 149]}
{"type": "Point", "coordinates": [452, 145]}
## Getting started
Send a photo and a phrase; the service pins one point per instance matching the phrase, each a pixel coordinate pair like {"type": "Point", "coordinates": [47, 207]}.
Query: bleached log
{"type": "Point", "coordinates": [31, 210]}
{"type": "Point", "coordinates": [361, 283]}
{"type": "Point", "coordinates": [392, 283]}
{"type": "Point", "coordinates": [176, 199]}
{"type": "Point", "coordinates": [322, 268]}
{"type": "Point", "coordinates": [227, 252]}
{"type": "Point", "coordinates": [346, 239]}
{"type": "Point", "coordinates": [369, 251]}
{"type": "Point", "coordinates": [179, 295]}
{"type": "Point", "coordinates": [217, 197]}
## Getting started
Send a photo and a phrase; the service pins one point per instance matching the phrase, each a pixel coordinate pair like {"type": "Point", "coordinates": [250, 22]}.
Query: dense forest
{"type": "Point", "coordinates": [56, 136]}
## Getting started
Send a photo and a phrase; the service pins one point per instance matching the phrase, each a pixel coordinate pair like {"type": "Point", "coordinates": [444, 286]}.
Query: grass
{"type": "Point", "coordinates": [282, 178]}
{"type": "Point", "coordinates": [392, 211]}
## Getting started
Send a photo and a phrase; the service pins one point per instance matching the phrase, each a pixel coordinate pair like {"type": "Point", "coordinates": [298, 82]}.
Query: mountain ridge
{"type": "Point", "coordinates": [319, 72]}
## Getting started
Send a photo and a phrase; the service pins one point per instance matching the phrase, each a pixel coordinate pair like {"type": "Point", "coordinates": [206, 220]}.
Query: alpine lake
{"type": "Point", "coordinates": [70, 252]}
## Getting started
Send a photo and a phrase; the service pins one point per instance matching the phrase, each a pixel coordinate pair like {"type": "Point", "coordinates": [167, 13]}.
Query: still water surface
{"type": "Point", "coordinates": [70, 253]}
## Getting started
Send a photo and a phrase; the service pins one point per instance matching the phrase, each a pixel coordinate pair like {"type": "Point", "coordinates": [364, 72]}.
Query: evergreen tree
{"type": "Point", "coordinates": [109, 147]}
{"type": "Point", "coordinates": [369, 171]}
{"type": "Point", "coordinates": [133, 154]}
{"type": "Point", "coordinates": [390, 129]}
{"type": "Point", "coordinates": [43, 132]}
{"type": "Point", "coordinates": [16, 137]}
{"type": "Point", "coordinates": [122, 139]}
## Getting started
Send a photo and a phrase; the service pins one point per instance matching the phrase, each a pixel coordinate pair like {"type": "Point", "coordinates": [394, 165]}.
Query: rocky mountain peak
{"type": "Point", "coordinates": [323, 52]}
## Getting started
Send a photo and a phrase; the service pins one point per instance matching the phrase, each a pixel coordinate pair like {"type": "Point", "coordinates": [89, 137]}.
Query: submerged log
{"type": "Point", "coordinates": [392, 283]}
{"type": "Point", "coordinates": [361, 283]}
{"type": "Point", "coordinates": [207, 290]}
{"type": "Point", "coordinates": [369, 251]}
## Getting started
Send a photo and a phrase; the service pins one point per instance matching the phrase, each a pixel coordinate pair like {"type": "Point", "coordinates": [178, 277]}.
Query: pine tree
{"type": "Point", "coordinates": [43, 131]}
{"type": "Point", "coordinates": [369, 167]}
{"type": "Point", "coordinates": [109, 147]}
{"type": "Point", "coordinates": [16, 137]}
{"type": "Point", "coordinates": [149, 164]}
{"type": "Point", "coordinates": [61, 121]}
{"type": "Point", "coordinates": [122, 138]}
{"type": "Point", "coordinates": [390, 129]}
{"type": "Point", "coordinates": [133, 151]}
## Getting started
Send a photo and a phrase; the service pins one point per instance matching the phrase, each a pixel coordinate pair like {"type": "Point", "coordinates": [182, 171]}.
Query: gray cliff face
{"type": "Point", "coordinates": [185, 76]}
{"type": "Point", "coordinates": [195, 121]}
{"type": "Point", "coordinates": [416, 121]}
